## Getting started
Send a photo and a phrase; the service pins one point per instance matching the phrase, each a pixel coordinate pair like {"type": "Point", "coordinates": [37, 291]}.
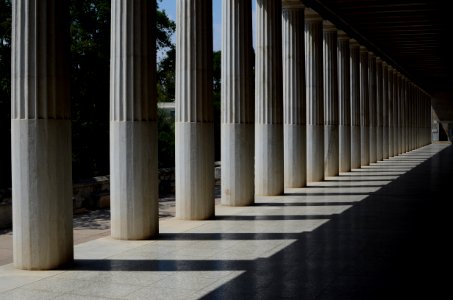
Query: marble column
{"type": "Point", "coordinates": [396, 115]}
{"type": "Point", "coordinates": [412, 116]}
{"type": "Point", "coordinates": [134, 199]}
{"type": "Point", "coordinates": [404, 111]}
{"type": "Point", "coordinates": [379, 109]}
{"type": "Point", "coordinates": [364, 108]}
{"type": "Point", "coordinates": [330, 74]}
{"type": "Point", "coordinates": [355, 103]}
{"type": "Point", "coordinates": [41, 135]}
{"type": "Point", "coordinates": [237, 102]}
{"type": "Point", "coordinates": [194, 140]}
{"type": "Point", "coordinates": [391, 113]}
{"type": "Point", "coordinates": [372, 106]}
{"type": "Point", "coordinates": [294, 112]}
{"type": "Point", "coordinates": [428, 120]}
{"type": "Point", "coordinates": [413, 110]}
{"type": "Point", "coordinates": [422, 115]}
{"type": "Point", "coordinates": [385, 111]}
{"type": "Point", "coordinates": [344, 102]}
{"type": "Point", "coordinates": [269, 162]}
{"type": "Point", "coordinates": [410, 105]}
{"type": "Point", "coordinates": [314, 95]}
{"type": "Point", "coordinates": [418, 118]}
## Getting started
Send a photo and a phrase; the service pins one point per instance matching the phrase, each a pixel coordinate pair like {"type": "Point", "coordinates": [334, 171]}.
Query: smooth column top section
{"type": "Point", "coordinates": [311, 15]}
{"type": "Point", "coordinates": [363, 49]}
{"type": "Point", "coordinates": [328, 26]}
{"type": "Point", "coordinates": [353, 43]}
{"type": "Point", "coordinates": [342, 35]}
{"type": "Point", "coordinates": [378, 59]}
{"type": "Point", "coordinates": [292, 4]}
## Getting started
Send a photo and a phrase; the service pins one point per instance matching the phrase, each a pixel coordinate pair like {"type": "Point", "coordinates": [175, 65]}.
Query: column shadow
{"type": "Point", "coordinates": [390, 245]}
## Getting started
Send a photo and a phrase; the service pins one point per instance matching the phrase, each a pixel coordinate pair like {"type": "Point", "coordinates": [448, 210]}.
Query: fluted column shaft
{"type": "Point", "coordinates": [409, 115]}
{"type": "Point", "coordinates": [237, 111]}
{"type": "Point", "coordinates": [372, 106]}
{"type": "Point", "coordinates": [133, 127]}
{"type": "Point", "coordinates": [413, 117]}
{"type": "Point", "coordinates": [364, 108]}
{"type": "Point", "coordinates": [385, 111]}
{"type": "Point", "coordinates": [194, 159]}
{"type": "Point", "coordinates": [41, 135]}
{"type": "Point", "coordinates": [391, 112]}
{"type": "Point", "coordinates": [344, 102]}
{"type": "Point", "coordinates": [396, 115]}
{"type": "Point", "coordinates": [379, 109]}
{"type": "Point", "coordinates": [269, 177]}
{"type": "Point", "coordinates": [417, 119]}
{"type": "Point", "coordinates": [404, 115]}
{"type": "Point", "coordinates": [422, 121]}
{"type": "Point", "coordinates": [355, 104]}
{"type": "Point", "coordinates": [314, 94]}
{"type": "Point", "coordinates": [428, 120]}
{"type": "Point", "coordinates": [330, 74]}
{"type": "Point", "coordinates": [294, 112]}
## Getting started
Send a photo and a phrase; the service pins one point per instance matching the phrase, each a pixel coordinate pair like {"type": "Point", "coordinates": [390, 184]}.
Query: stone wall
{"type": "Point", "coordinates": [94, 193]}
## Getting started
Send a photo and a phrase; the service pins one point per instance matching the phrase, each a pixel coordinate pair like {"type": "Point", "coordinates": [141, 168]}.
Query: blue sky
{"type": "Point", "coordinates": [170, 7]}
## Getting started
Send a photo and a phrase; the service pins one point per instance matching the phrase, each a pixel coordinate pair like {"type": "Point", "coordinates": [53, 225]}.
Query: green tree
{"type": "Point", "coordinates": [5, 92]}
{"type": "Point", "coordinates": [90, 54]}
{"type": "Point", "coordinates": [90, 30]}
{"type": "Point", "coordinates": [90, 51]}
{"type": "Point", "coordinates": [216, 97]}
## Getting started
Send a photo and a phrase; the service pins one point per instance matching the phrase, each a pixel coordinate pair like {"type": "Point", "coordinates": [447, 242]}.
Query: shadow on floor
{"type": "Point", "coordinates": [391, 245]}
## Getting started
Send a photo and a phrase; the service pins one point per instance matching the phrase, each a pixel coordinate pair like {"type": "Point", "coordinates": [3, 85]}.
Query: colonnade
{"type": "Point", "coordinates": [313, 103]}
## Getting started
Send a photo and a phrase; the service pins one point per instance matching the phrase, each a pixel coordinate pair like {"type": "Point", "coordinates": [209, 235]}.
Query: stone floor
{"type": "Point", "coordinates": [379, 232]}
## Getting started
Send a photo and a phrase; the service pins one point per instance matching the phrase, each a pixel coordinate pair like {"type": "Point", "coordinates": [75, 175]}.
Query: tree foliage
{"type": "Point", "coordinates": [90, 76]}
{"type": "Point", "coordinates": [5, 92]}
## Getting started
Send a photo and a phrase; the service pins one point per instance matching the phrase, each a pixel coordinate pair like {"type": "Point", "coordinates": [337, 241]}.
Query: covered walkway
{"type": "Point", "coordinates": [379, 232]}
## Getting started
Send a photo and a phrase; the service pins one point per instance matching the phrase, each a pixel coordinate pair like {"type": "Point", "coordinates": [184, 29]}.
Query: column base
{"type": "Point", "coordinates": [345, 148]}
{"type": "Point", "coordinates": [269, 160]}
{"type": "Point", "coordinates": [295, 155]}
{"type": "Point", "coordinates": [237, 164]}
{"type": "Point", "coordinates": [365, 146]}
{"type": "Point", "coordinates": [331, 153]}
{"type": "Point", "coordinates": [194, 173]}
{"type": "Point", "coordinates": [315, 153]}
{"type": "Point", "coordinates": [355, 147]}
{"type": "Point", "coordinates": [134, 182]}
{"type": "Point", "coordinates": [42, 193]}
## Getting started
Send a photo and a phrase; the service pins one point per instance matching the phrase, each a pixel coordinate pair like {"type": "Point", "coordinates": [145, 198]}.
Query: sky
{"type": "Point", "coordinates": [170, 8]}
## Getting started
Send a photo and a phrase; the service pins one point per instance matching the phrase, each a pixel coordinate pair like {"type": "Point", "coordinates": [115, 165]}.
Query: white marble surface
{"type": "Point", "coordinates": [364, 108]}
{"type": "Point", "coordinates": [191, 258]}
{"type": "Point", "coordinates": [133, 126]}
{"type": "Point", "coordinates": [269, 177]}
{"type": "Point", "coordinates": [330, 85]}
{"type": "Point", "coordinates": [344, 102]}
{"type": "Point", "coordinates": [294, 105]}
{"type": "Point", "coordinates": [194, 128]}
{"type": "Point", "coordinates": [314, 95]}
{"type": "Point", "coordinates": [237, 130]}
{"type": "Point", "coordinates": [41, 136]}
{"type": "Point", "coordinates": [355, 104]}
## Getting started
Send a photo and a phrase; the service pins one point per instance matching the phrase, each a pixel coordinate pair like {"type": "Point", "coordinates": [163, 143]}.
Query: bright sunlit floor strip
{"type": "Point", "coordinates": [193, 258]}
